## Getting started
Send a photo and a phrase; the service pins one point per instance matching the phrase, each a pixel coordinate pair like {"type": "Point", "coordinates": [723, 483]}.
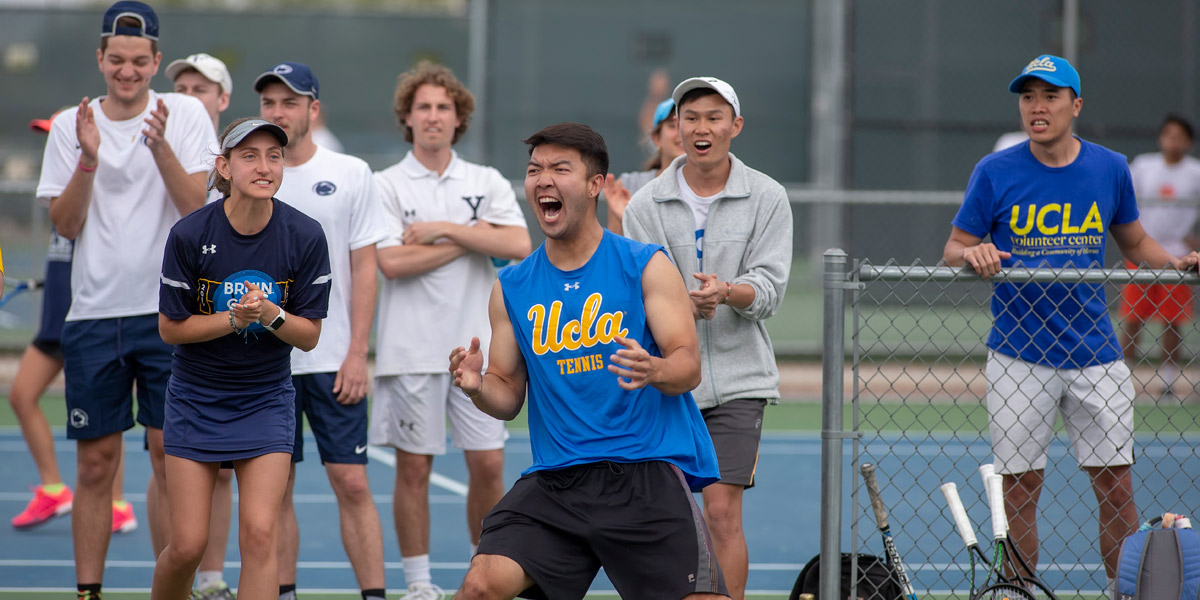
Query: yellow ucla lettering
{"type": "Point", "coordinates": [1067, 228]}
{"type": "Point", "coordinates": [593, 327]}
{"type": "Point", "coordinates": [1041, 219]}
{"type": "Point", "coordinates": [1093, 220]}
{"type": "Point", "coordinates": [1016, 215]}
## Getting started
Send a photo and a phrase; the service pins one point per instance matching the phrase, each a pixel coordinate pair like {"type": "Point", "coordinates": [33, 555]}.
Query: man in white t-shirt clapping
{"type": "Point", "coordinates": [331, 381]}
{"type": "Point", "coordinates": [446, 218]}
{"type": "Point", "coordinates": [118, 171]}
{"type": "Point", "coordinates": [1167, 186]}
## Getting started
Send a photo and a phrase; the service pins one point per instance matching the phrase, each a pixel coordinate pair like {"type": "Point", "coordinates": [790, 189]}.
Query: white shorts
{"type": "Point", "coordinates": [1024, 400]}
{"type": "Point", "coordinates": [409, 413]}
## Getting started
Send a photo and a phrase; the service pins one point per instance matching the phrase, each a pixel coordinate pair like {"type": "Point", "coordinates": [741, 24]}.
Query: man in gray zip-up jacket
{"type": "Point", "coordinates": [728, 228]}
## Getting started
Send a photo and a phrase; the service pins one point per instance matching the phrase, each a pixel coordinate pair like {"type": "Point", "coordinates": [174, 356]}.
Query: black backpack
{"type": "Point", "coordinates": [876, 580]}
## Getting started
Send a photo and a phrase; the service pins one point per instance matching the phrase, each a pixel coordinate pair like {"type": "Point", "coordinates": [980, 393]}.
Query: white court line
{"type": "Point", "coordinates": [462, 566]}
{"type": "Point", "coordinates": [297, 498]}
{"type": "Point", "coordinates": [450, 485]}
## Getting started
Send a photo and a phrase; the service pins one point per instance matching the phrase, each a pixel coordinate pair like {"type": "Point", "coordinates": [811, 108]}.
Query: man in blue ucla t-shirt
{"type": "Point", "coordinates": [1051, 202]}
{"type": "Point", "coordinates": [597, 330]}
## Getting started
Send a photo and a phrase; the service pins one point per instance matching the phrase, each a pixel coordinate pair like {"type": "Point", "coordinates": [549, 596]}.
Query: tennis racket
{"type": "Point", "coordinates": [966, 531]}
{"type": "Point", "coordinates": [23, 285]}
{"type": "Point", "coordinates": [885, 530]}
{"type": "Point", "coordinates": [1008, 557]}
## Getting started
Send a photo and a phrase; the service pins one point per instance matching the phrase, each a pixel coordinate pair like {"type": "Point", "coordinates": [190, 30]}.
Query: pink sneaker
{"type": "Point", "coordinates": [123, 520]}
{"type": "Point", "coordinates": [43, 507]}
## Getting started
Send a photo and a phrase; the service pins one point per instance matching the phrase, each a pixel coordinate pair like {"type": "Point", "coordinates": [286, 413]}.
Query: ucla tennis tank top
{"type": "Point", "coordinates": [565, 322]}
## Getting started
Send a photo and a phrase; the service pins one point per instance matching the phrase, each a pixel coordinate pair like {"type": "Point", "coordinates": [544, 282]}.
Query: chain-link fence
{"type": "Point", "coordinates": [920, 376]}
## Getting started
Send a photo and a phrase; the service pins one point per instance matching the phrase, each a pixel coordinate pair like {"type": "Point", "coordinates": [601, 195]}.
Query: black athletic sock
{"type": "Point", "coordinates": [375, 594]}
{"type": "Point", "coordinates": [288, 591]}
{"type": "Point", "coordinates": [90, 591]}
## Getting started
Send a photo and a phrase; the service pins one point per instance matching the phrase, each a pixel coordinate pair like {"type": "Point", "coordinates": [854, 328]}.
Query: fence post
{"type": "Point", "coordinates": [832, 437]}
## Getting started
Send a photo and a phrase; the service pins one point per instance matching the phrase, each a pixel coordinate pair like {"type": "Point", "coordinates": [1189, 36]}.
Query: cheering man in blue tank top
{"type": "Point", "coordinates": [1052, 201]}
{"type": "Point", "coordinates": [595, 330]}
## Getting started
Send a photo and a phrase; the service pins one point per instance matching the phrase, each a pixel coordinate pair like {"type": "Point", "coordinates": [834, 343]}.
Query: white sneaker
{"type": "Point", "coordinates": [423, 590]}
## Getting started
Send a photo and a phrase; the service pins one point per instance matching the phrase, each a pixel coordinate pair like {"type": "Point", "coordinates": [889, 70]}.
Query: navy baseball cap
{"type": "Point", "coordinates": [296, 76]}
{"type": "Point", "coordinates": [148, 27]}
{"type": "Point", "coordinates": [1054, 70]}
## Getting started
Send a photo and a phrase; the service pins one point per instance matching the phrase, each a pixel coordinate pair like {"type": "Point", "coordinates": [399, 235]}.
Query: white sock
{"type": "Point", "coordinates": [207, 579]}
{"type": "Point", "coordinates": [288, 596]}
{"type": "Point", "coordinates": [1111, 589]}
{"type": "Point", "coordinates": [474, 550]}
{"type": "Point", "coordinates": [416, 569]}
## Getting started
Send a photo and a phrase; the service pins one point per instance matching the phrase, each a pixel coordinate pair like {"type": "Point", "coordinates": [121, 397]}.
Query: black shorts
{"type": "Point", "coordinates": [637, 520]}
{"type": "Point", "coordinates": [340, 429]}
{"type": "Point", "coordinates": [736, 430]}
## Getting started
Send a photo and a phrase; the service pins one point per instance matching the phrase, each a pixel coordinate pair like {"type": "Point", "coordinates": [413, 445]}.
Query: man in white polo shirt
{"type": "Point", "coordinates": [331, 381]}
{"type": "Point", "coordinates": [118, 171]}
{"type": "Point", "coordinates": [446, 217]}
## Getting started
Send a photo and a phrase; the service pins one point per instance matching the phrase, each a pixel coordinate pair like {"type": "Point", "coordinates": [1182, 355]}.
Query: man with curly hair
{"type": "Point", "coordinates": [446, 219]}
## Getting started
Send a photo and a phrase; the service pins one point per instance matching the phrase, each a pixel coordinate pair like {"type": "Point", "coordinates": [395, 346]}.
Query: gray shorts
{"type": "Point", "coordinates": [410, 413]}
{"type": "Point", "coordinates": [736, 429]}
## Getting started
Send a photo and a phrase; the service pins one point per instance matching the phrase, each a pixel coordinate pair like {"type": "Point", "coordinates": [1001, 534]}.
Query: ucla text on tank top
{"type": "Point", "coordinates": [565, 323]}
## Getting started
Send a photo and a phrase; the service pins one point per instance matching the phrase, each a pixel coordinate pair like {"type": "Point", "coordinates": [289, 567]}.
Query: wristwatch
{"type": "Point", "coordinates": [278, 322]}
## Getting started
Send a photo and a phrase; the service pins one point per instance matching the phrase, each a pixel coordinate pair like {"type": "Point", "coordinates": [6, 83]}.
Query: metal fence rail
{"type": "Point", "coordinates": [913, 370]}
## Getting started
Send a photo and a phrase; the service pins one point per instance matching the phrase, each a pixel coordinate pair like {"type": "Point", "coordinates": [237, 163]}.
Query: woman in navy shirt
{"type": "Point", "coordinates": [244, 280]}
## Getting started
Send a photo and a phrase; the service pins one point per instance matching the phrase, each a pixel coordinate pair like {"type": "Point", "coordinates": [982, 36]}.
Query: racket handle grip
{"type": "Point", "coordinates": [961, 522]}
{"type": "Point", "coordinates": [985, 471]}
{"type": "Point", "coordinates": [995, 496]}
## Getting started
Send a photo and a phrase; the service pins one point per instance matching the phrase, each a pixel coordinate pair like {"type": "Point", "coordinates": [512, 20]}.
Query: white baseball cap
{"type": "Point", "coordinates": [722, 88]}
{"type": "Point", "coordinates": [209, 66]}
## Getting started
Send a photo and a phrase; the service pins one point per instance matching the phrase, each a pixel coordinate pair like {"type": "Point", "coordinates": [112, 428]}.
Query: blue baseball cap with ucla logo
{"type": "Point", "coordinates": [296, 76]}
{"type": "Point", "coordinates": [1054, 70]}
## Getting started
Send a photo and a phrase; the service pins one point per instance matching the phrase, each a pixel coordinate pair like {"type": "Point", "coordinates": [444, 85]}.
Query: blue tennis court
{"type": "Point", "coordinates": [782, 514]}
{"type": "Point", "coordinates": [782, 519]}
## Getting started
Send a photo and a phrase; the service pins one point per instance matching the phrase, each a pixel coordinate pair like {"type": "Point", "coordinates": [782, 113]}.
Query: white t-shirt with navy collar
{"type": "Point", "coordinates": [423, 318]}
{"type": "Point", "coordinates": [338, 191]}
{"type": "Point", "coordinates": [119, 251]}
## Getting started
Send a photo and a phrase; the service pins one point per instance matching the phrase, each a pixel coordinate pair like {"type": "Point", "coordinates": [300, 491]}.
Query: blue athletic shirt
{"type": "Point", "coordinates": [564, 322]}
{"type": "Point", "coordinates": [205, 265]}
{"type": "Point", "coordinates": [1052, 217]}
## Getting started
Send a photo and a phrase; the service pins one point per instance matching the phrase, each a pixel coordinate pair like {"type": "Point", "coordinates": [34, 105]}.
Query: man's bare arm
{"type": "Point", "coordinates": [351, 383]}
{"type": "Point", "coordinates": [962, 247]}
{"type": "Point", "coordinates": [501, 391]}
{"type": "Point", "coordinates": [416, 259]}
{"type": "Point", "coordinates": [501, 241]}
{"type": "Point", "coordinates": [1138, 247]}
{"type": "Point", "coordinates": [186, 190]}
{"type": "Point", "coordinates": [668, 315]}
